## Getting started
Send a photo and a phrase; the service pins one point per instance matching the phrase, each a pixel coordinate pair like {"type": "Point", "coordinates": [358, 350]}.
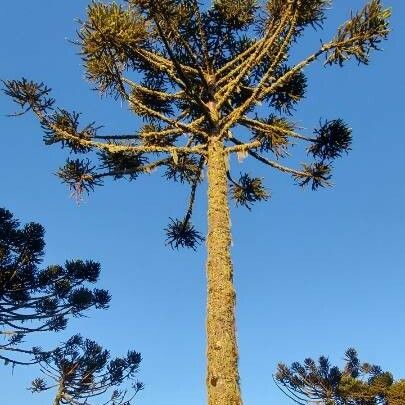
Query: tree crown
{"type": "Point", "coordinates": [195, 74]}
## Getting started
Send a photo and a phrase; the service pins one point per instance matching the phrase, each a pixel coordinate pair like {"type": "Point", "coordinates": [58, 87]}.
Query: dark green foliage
{"type": "Point", "coordinates": [183, 169]}
{"type": "Point", "coordinates": [28, 94]}
{"type": "Point", "coordinates": [181, 233]}
{"type": "Point", "coordinates": [80, 175]}
{"type": "Point", "coordinates": [123, 164]}
{"type": "Point", "coordinates": [355, 384]}
{"type": "Point", "coordinates": [332, 139]}
{"type": "Point", "coordinates": [159, 104]}
{"type": "Point", "coordinates": [39, 300]}
{"type": "Point", "coordinates": [273, 135]}
{"type": "Point", "coordinates": [290, 92]}
{"type": "Point", "coordinates": [82, 369]}
{"type": "Point", "coordinates": [317, 174]}
{"type": "Point", "coordinates": [312, 12]}
{"type": "Point", "coordinates": [248, 190]}
{"type": "Point", "coordinates": [34, 299]}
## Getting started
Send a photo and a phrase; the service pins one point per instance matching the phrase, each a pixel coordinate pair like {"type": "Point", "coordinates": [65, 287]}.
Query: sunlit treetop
{"type": "Point", "coordinates": [197, 73]}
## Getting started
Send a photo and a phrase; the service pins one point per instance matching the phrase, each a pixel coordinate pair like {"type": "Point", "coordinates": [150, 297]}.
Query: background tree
{"type": "Point", "coordinates": [197, 76]}
{"type": "Point", "coordinates": [355, 384]}
{"type": "Point", "coordinates": [32, 299]}
{"type": "Point", "coordinates": [82, 370]}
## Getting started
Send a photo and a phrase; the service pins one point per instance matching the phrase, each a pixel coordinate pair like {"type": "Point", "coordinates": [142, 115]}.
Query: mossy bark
{"type": "Point", "coordinates": [222, 353]}
{"type": "Point", "coordinates": [60, 393]}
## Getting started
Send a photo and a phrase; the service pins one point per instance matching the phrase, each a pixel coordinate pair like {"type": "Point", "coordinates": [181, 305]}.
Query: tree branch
{"type": "Point", "coordinates": [203, 38]}
{"type": "Point", "coordinates": [187, 85]}
{"type": "Point", "coordinates": [261, 126]}
{"type": "Point", "coordinates": [301, 65]}
{"type": "Point", "coordinates": [193, 191]}
{"type": "Point", "coordinates": [238, 112]}
{"type": "Point", "coordinates": [249, 64]}
{"type": "Point", "coordinates": [141, 169]}
{"type": "Point", "coordinates": [111, 148]}
{"type": "Point", "coordinates": [237, 59]}
{"type": "Point", "coordinates": [185, 44]}
{"type": "Point", "coordinates": [185, 127]}
{"type": "Point", "coordinates": [160, 61]}
{"type": "Point", "coordinates": [247, 147]}
{"type": "Point", "coordinates": [159, 94]}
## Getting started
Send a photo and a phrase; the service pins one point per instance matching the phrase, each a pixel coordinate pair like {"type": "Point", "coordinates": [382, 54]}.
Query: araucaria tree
{"type": "Point", "coordinates": [355, 384]}
{"type": "Point", "coordinates": [35, 299]}
{"type": "Point", "coordinates": [196, 74]}
{"type": "Point", "coordinates": [82, 370]}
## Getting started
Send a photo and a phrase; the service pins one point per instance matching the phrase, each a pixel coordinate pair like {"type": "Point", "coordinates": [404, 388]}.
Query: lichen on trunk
{"type": "Point", "coordinates": [222, 353]}
{"type": "Point", "coordinates": [60, 393]}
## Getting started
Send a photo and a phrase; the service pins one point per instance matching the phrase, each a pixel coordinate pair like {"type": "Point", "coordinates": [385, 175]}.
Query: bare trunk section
{"type": "Point", "coordinates": [222, 353]}
{"type": "Point", "coordinates": [59, 394]}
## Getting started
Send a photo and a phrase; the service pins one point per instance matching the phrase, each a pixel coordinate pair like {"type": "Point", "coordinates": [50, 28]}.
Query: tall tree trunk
{"type": "Point", "coordinates": [222, 353]}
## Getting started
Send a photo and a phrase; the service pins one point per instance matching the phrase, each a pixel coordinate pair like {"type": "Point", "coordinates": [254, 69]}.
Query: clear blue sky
{"type": "Point", "coordinates": [315, 272]}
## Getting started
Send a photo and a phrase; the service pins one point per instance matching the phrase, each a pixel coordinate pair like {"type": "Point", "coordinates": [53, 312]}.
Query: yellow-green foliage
{"type": "Point", "coordinates": [109, 39]}
{"type": "Point", "coordinates": [354, 389]}
{"type": "Point", "coordinates": [239, 13]}
{"type": "Point", "coordinates": [396, 393]}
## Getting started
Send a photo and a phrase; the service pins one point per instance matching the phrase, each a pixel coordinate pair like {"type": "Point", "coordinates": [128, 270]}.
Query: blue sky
{"type": "Point", "coordinates": [315, 272]}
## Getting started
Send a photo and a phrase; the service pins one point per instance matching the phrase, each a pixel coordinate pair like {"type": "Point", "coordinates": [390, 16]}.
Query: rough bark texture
{"type": "Point", "coordinates": [222, 354]}
{"type": "Point", "coordinates": [59, 394]}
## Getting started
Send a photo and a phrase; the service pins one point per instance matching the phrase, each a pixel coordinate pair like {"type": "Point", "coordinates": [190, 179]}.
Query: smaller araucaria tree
{"type": "Point", "coordinates": [34, 299]}
{"type": "Point", "coordinates": [82, 370]}
{"type": "Point", "coordinates": [356, 384]}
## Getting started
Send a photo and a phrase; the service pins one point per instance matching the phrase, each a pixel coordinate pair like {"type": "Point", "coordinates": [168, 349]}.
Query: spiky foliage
{"type": "Point", "coordinates": [34, 299]}
{"type": "Point", "coordinates": [27, 94]}
{"type": "Point", "coordinates": [181, 233]}
{"type": "Point", "coordinates": [201, 73]}
{"type": "Point", "coordinates": [355, 384]}
{"type": "Point", "coordinates": [80, 175]}
{"type": "Point", "coordinates": [248, 190]}
{"type": "Point", "coordinates": [69, 122]}
{"type": "Point", "coordinates": [82, 370]}
{"type": "Point", "coordinates": [273, 135]}
{"type": "Point", "coordinates": [237, 14]}
{"type": "Point", "coordinates": [332, 139]}
{"type": "Point", "coordinates": [310, 12]}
